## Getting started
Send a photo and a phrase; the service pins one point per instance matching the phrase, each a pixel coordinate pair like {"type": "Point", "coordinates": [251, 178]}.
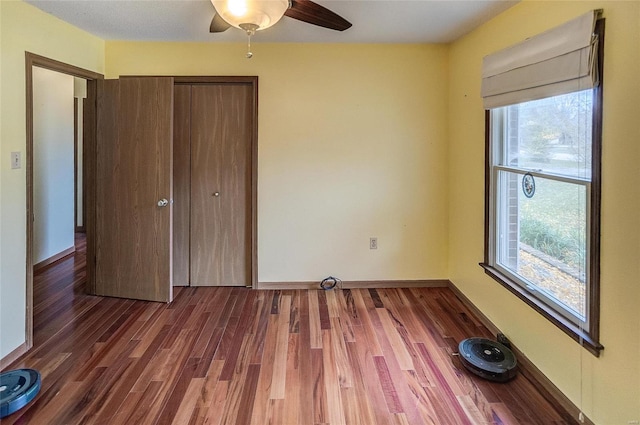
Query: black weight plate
{"type": "Point", "coordinates": [17, 389]}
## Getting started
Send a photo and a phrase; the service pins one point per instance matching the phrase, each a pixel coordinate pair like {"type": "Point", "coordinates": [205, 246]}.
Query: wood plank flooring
{"type": "Point", "coordinates": [240, 356]}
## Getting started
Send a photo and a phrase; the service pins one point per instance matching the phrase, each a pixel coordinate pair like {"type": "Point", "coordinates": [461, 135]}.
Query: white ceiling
{"type": "Point", "coordinates": [374, 21]}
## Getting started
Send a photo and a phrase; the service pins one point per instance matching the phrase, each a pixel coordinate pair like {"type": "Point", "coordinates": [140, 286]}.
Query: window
{"type": "Point", "coordinates": [543, 204]}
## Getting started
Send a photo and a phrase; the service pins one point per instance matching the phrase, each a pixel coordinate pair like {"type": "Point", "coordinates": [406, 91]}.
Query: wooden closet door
{"type": "Point", "coordinates": [221, 130]}
{"type": "Point", "coordinates": [133, 173]}
{"type": "Point", "coordinates": [181, 183]}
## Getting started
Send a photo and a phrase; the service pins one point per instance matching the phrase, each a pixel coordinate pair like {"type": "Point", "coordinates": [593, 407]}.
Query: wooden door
{"type": "Point", "coordinates": [221, 147]}
{"type": "Point", "coordinates": [181, 183]}
{"type": "Point", "coordinates": [133, 173]}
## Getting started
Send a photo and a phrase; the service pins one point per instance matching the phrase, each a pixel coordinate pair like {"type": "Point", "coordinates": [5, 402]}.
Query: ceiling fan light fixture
{"type": "Point", "coordinates": [258, 14]}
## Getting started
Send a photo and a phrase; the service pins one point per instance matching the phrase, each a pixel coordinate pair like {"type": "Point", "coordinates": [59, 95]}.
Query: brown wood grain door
{"type": "Point", "coordinates": [181, 183]}
{"type": "Point", "coordinates": [221, 148]}
{"type": "Point", "coordinates": [134, 172]}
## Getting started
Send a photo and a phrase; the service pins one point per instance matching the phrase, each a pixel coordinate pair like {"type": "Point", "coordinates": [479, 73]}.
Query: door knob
{"type": "Point", "coordinates": [216, 194]}
{"type": "Point", "coordinates": [163, 202]}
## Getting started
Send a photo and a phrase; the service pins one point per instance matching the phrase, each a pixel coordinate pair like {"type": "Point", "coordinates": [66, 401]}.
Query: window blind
{"type": "Point", "coordinates": [558, 61]}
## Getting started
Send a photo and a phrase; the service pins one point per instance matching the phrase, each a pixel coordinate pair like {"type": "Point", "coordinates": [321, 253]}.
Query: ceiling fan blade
{"type": "Point", "coordinates": [312, 13]}
{"type": "Point", "coordinates": [218, 24]}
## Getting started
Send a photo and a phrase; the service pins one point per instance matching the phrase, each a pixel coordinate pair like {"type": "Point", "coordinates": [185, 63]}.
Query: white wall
{"type": "Point", "coordinates": [25, 28]}
{"type": "Point", "coordinates": [53, 165]}
{"type": "Point", "coordinates": [80, 93]}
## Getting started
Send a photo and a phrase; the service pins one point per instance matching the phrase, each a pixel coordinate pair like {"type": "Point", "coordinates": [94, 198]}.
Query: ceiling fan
{"type": "Point", "coordinates": [256, 15]}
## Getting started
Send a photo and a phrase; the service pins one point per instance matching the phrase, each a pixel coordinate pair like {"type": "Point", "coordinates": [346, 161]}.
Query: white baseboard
{"type": "Point", "coordinates": [12, 356]}
{"type": "Point", "coordinates": [54, 258]}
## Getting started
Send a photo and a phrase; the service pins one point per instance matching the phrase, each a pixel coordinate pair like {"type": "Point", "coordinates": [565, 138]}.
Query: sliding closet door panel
{"type": "Point", "coordinates": [181, 183]}
{"type": "Point", "coordinates": [221, 131]}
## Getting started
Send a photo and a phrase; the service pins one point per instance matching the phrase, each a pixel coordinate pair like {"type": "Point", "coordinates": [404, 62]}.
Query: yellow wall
{"type": "Point", "coordinates": [25, 28]}
{"type": "Point", "coordinates": [377, 140]}
{"type": "Point", "coordinates": [2, 350]}
{"type": "Point", "coordinates": [352, 144]}
{"type": "Point", "coordinates": [606, 387]}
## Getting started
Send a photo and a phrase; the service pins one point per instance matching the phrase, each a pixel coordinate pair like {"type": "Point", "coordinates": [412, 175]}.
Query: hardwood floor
{"type": "Point", "coordinates": [241, 356]}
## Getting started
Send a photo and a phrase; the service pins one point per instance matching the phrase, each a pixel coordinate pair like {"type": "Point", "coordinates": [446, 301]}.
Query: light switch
{"type": "Point", "coordinates": [16, 160]}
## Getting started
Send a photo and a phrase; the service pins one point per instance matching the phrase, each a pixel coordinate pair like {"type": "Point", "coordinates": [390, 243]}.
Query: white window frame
{"type": "Point", "coordinates": [586, 332]}
{"type": "Point", "coordinates": [497, 158]}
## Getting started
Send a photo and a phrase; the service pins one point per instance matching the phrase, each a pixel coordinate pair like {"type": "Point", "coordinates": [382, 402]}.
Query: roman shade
{"type": "Point", "coordinates": [558, 61]}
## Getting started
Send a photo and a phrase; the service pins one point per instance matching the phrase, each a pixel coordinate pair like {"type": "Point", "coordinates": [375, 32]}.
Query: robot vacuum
{"type": "Point", "coordinates": [17, 389]}
{"type": "Point", "coordinates": [488, 359]}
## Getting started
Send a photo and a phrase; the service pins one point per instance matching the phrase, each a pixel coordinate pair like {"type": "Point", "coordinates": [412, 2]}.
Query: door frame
{"type": "Point", "coordinates": [253, 82]}
{"type": "Point", "coordinates": [88, 166]}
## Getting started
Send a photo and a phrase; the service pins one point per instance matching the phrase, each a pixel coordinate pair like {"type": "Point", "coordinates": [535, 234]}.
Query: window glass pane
{"type": "Point", "coordinates": [542, 239]}
{"type": "Point", "coordinates": [552, 135]}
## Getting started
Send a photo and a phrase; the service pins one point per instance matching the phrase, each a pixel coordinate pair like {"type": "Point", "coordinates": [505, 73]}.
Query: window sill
{"type": "Point", "coordinates": [579, 335]}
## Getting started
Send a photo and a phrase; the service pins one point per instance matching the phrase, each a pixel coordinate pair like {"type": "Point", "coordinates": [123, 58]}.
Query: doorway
{"type": "Point", "coordinates": [89, 168]}
{"type": "Point", "coordinates": [35, 61]}
{"type": "Point", "coordinates": [53, 169]}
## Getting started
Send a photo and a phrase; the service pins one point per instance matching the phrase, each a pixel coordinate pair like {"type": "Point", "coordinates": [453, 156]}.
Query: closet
{"type": "Point", "coordinates": [212, 186]}
{"type": "Point", "coordinates": [175, 185]}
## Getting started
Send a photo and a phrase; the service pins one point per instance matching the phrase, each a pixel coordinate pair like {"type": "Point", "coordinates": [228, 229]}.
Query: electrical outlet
{"type": "Point", "coordinates": [373, 243]}
{"type": "Point", "coordinates": [16, 160]}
